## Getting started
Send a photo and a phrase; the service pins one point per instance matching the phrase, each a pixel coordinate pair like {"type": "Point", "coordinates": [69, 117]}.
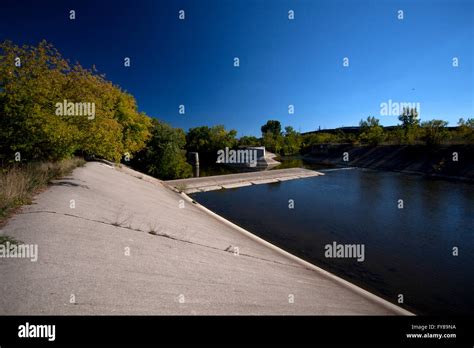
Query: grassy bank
{"type": "Point", "coordinates": [19, 183]}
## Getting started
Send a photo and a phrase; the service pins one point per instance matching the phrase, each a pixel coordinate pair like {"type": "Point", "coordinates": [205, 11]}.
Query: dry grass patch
{"type": "Point", "coordinates": [18, 183]}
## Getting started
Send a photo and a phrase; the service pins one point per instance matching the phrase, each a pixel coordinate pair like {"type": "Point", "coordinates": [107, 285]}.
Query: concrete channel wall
{"type": "Point", "coordinates": [131, 245]}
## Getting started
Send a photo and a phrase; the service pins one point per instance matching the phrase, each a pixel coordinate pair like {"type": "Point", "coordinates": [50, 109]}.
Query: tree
{"type": "Point", "coordinates": [272, 142]}
{"type": "Point", "coordinates": [135, 125]}
{"type": "Point", "coordinates": [318, 138]}
{"type": "Point", "coordinates": [249, 141]}
{"type": "Point", "coordinates": [199, 139]}
{"type": "Point", "coordinates": [221, 138]}
{"type": "Point", "coordinates": [29, 119]}
{"type": "Point", "coordinates": [396, 135]}
{"type": "Point", "coordinates": [272, 126]}
{"type": "Point", "coordinates": [469, 123]}
{"type": "Point", "coordinates": [371, 131]}
{"type": "Point", "coordinates": [410, 124]}
{"type": "Point", "coordinates": [210, 140]}
{"type": "Point", "coordinates": [409, 117]}
{"type": "Point", "coordinates": [272, 138]}
{"type": "Point", "coordinates": [466, 130]}
{"type": "Point", "coordinates": [434, 131]}
{"type": "Point", "coordinates": [291, 142]}
{"type": "Point", "coordinates": [164, 155]}
{"type": "Point", "coordinates": [27, 93]}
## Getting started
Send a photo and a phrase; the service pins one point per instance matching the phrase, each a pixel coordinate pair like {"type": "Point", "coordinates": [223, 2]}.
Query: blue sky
{"type": "Point", "coordinates": [282, 61]}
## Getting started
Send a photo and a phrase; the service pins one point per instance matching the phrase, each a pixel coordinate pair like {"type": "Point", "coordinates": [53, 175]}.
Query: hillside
{"type": "Point", "coordinates": [439, 161]}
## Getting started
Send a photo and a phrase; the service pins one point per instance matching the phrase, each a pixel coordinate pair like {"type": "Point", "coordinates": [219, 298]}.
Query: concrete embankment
{"type": "Point", "coordinates": [218, 182]}
{"type": "Point", "coordinates": [115, 241]}
{"type": "Point", "coordinates": [454, 161]}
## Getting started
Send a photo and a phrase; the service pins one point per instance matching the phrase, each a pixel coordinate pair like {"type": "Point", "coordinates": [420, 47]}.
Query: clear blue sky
{"type": "Point", "coordinates": [282, 62]}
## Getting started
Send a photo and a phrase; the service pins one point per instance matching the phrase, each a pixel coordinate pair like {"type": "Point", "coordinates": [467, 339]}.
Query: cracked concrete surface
{"type": "Point", "coordinates": [128, 247]}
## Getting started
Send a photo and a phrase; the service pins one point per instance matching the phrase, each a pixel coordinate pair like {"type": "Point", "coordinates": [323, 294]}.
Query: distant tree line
{"type": "Point", "coordinates": [410, 131]}
{"type": "Point", "coordinates": [34, 81]}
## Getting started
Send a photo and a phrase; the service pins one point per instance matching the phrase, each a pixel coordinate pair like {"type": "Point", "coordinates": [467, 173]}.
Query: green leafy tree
{"type": "Point", "coordinates": [319, 138]}
{"type": "Point", "coordinates": [210, 139]}
{"type": "Point", "coordinates": [249, 141]}
{"type": "Point", "coordinates": [396, 136]}
{"type": "Point", "coordinates": [272, 126]}
{"type": "Point", "coordinates": [135, 125]}
{"type": "Point", "coordinates": [32, 87]}
{"type": "Point", "coordinates": [164, 156]}
{"type": "Point", "coordinates": [221, 138]}
{"type": "Point", "coordinates": [199, 139]}
{"type": "Point", "coordinates": [409, 117]}
{"type": "Point", "coordinates": [410, 124]}
{"type": "Point", "coordinates": [291, 142]}
{"type": "Point", "coordinates": [272, 142]}
{"type": "Point", "coordinates": [371, 131]}
{"type": "Point", "coordinates": [28, 92]}
{"type": "Point", "coordinates": [272, 138]}
{"type": "Point", "coordinates": [434, 131]}
{"type": "Point", "coordinates": [466, 130]}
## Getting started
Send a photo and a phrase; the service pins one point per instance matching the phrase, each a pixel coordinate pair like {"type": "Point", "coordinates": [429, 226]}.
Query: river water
{"type": "Point", "coordinates": [409, 226]}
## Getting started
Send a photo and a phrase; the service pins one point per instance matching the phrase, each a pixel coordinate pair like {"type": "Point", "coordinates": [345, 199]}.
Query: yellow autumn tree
{"type": "Point", "coordinates": [33, 80]}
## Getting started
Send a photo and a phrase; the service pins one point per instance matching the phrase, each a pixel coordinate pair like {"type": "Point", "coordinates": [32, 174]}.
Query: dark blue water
{"type": "Point", "coordinates": [408, 251]}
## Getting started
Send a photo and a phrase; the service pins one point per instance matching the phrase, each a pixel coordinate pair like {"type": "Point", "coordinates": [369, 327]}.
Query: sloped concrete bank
{"type": "Point", "coordinates": [452, 162]}
{"type": "Point", "coordinates": [218, 182]}
{"type": "Point", "coordinates": [114, 241]}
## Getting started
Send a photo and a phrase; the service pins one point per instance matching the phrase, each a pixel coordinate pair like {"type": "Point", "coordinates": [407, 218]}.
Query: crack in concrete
{"type": "Point", "coordinates": [162, 235]}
